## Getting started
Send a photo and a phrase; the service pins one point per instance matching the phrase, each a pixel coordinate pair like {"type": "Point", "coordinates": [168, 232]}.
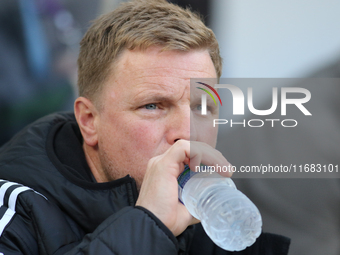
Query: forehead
{"type": "Point", "coordinates": [156, 71]}
{"type": "Point", "coordinates": [153, 62]}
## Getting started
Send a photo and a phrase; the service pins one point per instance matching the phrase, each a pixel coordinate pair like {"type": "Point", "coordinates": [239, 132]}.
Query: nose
{"type": "Point", "coordinates": [181, 127]}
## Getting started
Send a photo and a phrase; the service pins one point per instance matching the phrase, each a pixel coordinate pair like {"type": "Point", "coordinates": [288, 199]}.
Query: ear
{"type": "Point", "coordinates": [86, 114]}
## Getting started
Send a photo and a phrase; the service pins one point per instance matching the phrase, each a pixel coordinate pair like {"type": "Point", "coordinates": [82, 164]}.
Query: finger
{"type": "Point", "coordinates": [176, 156]}
{"type": "Point", "coordinates": [201, 153]}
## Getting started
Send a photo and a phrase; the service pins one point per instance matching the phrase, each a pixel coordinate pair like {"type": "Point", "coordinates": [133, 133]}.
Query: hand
{"type": "Point", "coordinates": [159, 190]}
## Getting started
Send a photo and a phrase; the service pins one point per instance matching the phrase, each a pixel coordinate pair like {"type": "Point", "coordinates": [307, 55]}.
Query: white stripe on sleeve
{"type": "Point", "coordinates": [6, 218]}
{"type": "Point", "coordinates": [14, 195]}
{"type": "Point", "coordinates": [3, 190]}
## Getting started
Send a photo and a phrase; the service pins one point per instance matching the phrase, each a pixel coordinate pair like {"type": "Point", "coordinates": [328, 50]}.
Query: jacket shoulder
{"type": "Point", "coordinates": [29, 221]}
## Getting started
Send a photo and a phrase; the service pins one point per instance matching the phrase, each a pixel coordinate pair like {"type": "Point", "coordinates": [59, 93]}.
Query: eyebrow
{"type": "Point", "coordinates": [150, 96]}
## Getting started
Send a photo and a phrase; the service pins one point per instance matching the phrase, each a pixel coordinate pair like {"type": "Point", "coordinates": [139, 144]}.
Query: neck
{"type": "Point", "coordinates": [93, 160]}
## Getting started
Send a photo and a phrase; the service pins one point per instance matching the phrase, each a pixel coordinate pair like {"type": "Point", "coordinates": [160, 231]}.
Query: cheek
{"type": "Point", "coordinates": [144, 136]}
{"type": "Point", "coordinates": [208, 134]}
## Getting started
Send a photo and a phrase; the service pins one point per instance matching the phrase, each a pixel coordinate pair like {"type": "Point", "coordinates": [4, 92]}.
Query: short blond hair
{"type": "Point", "coordinates": [139, 25]}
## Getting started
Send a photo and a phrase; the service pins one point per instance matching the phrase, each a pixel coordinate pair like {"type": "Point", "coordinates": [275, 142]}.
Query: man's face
{"type": "Point", "coordinates": [147, 108]}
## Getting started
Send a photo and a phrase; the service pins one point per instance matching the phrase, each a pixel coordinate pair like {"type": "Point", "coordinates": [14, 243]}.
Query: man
{"type": "Point", "coordinates": [105, 181]}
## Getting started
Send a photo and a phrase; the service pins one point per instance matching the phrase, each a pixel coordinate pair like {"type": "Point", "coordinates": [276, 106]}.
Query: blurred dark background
{"type": "Point", "coordinates": [38, 51]}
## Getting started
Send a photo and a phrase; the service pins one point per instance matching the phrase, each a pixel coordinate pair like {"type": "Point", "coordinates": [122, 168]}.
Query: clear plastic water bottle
{"type": "Point", "coordinates": [228, 217]}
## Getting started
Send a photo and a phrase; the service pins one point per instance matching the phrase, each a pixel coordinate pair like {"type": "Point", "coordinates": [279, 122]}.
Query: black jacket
{"type": "Point", "coordinates": [64, 211]}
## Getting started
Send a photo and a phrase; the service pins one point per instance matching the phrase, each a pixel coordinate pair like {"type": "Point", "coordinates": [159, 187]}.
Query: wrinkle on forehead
{"type": "Point", "coordinates": [168, 90]}
{"type": "Point", "coordinates": [163, 73]}
{"type": "Point", "coordinates": [155, 61]}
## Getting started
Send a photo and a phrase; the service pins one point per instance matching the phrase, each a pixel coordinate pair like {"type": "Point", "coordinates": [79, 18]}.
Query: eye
{"type": "Point", "coordinates": [198, 108]}
{"type": "Point", "coordinates": [150, 106]}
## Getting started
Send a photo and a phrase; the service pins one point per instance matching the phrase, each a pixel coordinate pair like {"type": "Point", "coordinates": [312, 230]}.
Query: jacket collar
{"type": "Point", "coordinates": [86, 202]}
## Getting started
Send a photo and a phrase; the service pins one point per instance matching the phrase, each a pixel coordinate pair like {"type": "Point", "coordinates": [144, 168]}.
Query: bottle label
{"type": "Point", "coordinates": [182, 180]}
